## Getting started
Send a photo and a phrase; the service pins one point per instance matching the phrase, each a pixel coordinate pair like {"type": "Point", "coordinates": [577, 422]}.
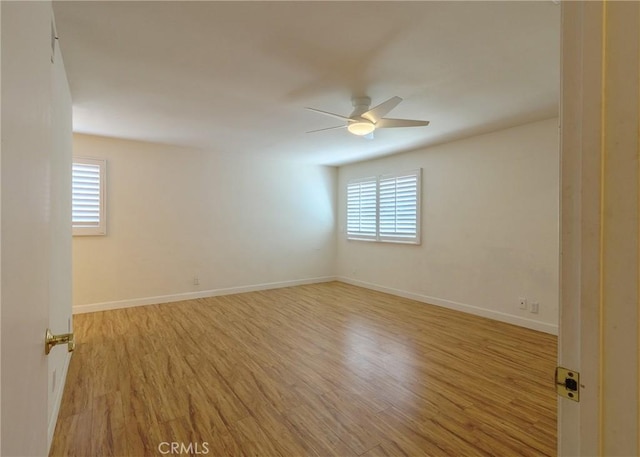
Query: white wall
{"type": "Point", "coordinates": [489, 227]}
{"type": "Point", "coordinates": [175, 213]}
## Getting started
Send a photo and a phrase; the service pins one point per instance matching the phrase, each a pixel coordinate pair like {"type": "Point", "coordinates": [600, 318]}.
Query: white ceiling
{"type": "Point", "coordinates": [235, 77]}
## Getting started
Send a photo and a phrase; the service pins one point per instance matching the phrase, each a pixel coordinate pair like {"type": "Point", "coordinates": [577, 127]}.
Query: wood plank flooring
{"type": "Point", "coordinates": [318, 370]}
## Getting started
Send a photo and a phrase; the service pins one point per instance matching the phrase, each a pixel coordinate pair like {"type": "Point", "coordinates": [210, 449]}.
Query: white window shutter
{"type": "Point", "coordinates": [385, 208]}
{"type": "Point", "coordinates": [399, 207]}
{"type": "Point", "coordinates": [88, 196]}
{"type": "Point", "coordinates": [362, 209]}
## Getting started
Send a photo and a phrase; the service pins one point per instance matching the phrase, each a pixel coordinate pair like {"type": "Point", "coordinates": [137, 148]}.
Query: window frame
{"type": "Point", "coordinates": [79, 229]}
{"type": "Point", "coordinates": [378, 237]}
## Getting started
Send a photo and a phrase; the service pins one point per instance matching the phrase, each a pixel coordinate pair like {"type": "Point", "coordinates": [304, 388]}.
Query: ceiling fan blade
{"type": "Point", "coordinates": [391, 123]}
{"type": "Point", "coordinates": [326, 113]}
{"type": "Point", "coordinates": [377, 113]}
{"type": "Point", "coordinates": [328, 128]}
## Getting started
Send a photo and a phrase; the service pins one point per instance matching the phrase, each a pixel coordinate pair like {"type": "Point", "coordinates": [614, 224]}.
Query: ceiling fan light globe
{"type": "Point", "coordinates": [361, 128]}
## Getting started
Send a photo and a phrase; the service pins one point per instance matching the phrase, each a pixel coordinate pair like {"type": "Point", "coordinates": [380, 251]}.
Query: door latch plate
{"type": "Point", "coordinates": [568, 383]}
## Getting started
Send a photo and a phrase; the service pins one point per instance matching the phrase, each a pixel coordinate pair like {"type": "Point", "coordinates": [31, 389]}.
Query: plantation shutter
{"type": "Point", "coordinates": [399, 207]}
{"type": "Point", "coordinates": [362, 209]}
{"type": "Point", "coordinates": [87, 197]}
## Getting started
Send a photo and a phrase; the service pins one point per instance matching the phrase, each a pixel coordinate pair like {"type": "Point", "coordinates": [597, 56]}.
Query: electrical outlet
{"type": "Point", "coordinates": [535, 307]}
{"type": "Point", "coordinates": [196, 281]}
{"type": "Point", "coordinates": [522, 302]}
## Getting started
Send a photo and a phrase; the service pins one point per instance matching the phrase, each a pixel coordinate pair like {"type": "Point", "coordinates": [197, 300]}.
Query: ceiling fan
{"type": "Point", "coordinates": [363, 120]}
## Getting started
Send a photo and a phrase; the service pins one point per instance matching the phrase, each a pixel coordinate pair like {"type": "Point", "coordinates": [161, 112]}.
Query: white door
{"type": "Point", "coordinates": [60, 233]}
{"type": "Point", "coordinates": [600, 184]}
{"type": "Point", "coordinates": [25, 224]}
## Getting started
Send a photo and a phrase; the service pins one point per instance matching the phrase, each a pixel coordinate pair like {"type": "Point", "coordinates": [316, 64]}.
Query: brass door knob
{"type": "Point", "coordinates": [50, 340]}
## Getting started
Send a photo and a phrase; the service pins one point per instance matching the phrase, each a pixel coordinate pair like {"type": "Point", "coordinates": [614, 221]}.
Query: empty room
{"type": "Point", "coordinates": [319, 228]}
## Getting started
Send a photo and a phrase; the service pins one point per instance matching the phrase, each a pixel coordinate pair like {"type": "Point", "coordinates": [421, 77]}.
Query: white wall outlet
{"type": "Point", "coordinates": [535, 307]}
{"type": "Point", "coordinates": [522, 303]}
{"type": "Point", "coordinates": [196, 281]}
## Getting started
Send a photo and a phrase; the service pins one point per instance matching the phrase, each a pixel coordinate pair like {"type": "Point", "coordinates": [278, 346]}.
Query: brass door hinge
{"type": "Point", "coordinates": [568, 383]}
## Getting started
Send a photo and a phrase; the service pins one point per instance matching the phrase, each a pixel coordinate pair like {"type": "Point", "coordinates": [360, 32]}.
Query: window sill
{"type": "Point", "coordinates": [369, 240]}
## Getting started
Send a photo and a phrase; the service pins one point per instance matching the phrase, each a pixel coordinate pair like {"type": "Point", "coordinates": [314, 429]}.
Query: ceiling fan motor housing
{"type": "Point", "coordinates": [360, 105]}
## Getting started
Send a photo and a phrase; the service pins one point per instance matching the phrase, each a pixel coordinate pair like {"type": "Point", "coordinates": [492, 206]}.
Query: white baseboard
{"type": "Point", "coordinates": [57, 402]}
{"type": "Point", "coordinates": [483, 312]}
{"type": "Point", "coordinates": [105, 306]}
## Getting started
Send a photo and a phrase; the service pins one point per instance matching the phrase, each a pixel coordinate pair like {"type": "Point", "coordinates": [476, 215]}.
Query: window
{"type": "Point", "coordinates": [88, 206]}
{"type": "Point", "coordinates": [385, 208]}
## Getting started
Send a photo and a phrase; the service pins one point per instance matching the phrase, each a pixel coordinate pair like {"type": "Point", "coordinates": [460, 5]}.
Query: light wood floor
{"type": "Point", "coordinates": [326, 369]}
